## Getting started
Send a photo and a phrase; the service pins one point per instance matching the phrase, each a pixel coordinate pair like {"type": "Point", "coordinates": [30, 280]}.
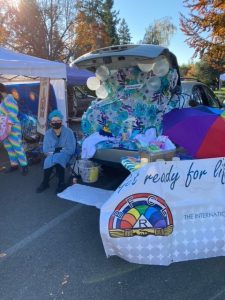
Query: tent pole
{"type": "Point", "coordinates": [66, 102]}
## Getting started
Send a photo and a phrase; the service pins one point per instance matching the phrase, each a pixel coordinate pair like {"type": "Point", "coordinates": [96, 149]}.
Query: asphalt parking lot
{"type": "Point", "coordinates": [51, 248]}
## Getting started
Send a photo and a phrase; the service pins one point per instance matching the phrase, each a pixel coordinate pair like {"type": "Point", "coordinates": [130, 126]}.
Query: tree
{"type": "Point", "coordinates": [201, 71]}
{"type": "Point", "coordinates": [110, 20]}
{"type": "Point", "coordinates": [89, 27]}
{"type": "Point", "coordinates": [3, 30]}
{"type": "Point", "coordinates": [160, 32]}
{"type": "Point", "coordinates": [91, 9]}
{"type": "Point", "coordinates": [3, 34]}
{"type": "Point", "coordinates": [184, 70]}
{"type": "Point", "coordinates": [89, 35]}
{"type": "Point", "coordinates": [205, 30]}
{"type": "Point", "coordinates": [192, 71]}
{"type": "Point", "coordinates": [40, 27]}
{"type": "Point", "coordinates": [206, 73]}
{"type": "Point", "coordinates": [25, 31]}
{"type": "Point", "coordinates": [58, 17]}
{"type": "Point", "coordinates": [124, 33]}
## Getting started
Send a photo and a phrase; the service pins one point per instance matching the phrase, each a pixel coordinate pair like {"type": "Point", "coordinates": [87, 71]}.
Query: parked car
{"type": "Point", "coordinates": [139, 83]}
{"type": "Point", "coordinates": [78, 101]}
{"type": "Point", "coordinates": [199, 93]}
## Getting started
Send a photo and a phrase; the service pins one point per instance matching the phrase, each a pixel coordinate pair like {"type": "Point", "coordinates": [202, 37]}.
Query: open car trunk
{"type": "Point", "coordinates": [135, 86]}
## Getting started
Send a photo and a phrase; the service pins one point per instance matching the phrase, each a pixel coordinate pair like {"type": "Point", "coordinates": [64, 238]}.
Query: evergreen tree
{"type": "Point", "coordinates": [110, 20]}
{"type": "Point", "coordinates": [90, 26]}
{"type": "Point", "coordinates": [92, 9]}
{"type": "Point", "coordinates": [89, 35]}
{"type": "Point", "coordinates": [206, 73]}
{"type": "Point", "coordinates": [124, 33]}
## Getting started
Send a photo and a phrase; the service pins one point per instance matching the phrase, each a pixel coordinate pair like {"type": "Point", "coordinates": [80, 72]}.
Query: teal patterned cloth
{"type": "Point", "coordinates": [131, 163]}
{"type": "Point", "coordinates": [128, 111]}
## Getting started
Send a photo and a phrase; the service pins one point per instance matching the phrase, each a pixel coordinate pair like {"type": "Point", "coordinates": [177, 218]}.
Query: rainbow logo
{"type": "Point", "coordinates": [141, 214]}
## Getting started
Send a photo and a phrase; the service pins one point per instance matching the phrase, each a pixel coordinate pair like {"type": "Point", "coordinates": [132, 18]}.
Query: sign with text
{"type": "Point", "coordinates": [43, 105]}
{"type": "Point", "coordinates": [167, 212]}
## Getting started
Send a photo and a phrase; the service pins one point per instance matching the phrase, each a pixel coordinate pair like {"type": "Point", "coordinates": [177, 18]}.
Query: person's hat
{"type": "Point", "coordinates": [55, 113]}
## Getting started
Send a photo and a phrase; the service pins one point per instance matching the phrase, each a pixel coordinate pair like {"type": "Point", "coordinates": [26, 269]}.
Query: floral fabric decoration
{"type": "Point", "coordinates": [135, 101]}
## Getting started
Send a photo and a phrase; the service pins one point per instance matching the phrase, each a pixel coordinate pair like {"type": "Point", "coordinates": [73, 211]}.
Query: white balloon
{"type": "Point", "coordinates": [93, 83]}
{"type": "Point", "coordinates": [145, 67]}
{"type": "Point", "coordinates": [101, 92]}
{"type": "Point", "coordinates": [154, 83]}
{"type": "Point", "coordinates": [161, 67]}
{"type": "Point", "coordinates": [102, 72]}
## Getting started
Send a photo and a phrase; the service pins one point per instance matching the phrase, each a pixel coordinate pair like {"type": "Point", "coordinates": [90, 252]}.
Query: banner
{"type": "Point", "coordinates": [43, 105]}
{"type": "Point", "coordinates": [167, 212]}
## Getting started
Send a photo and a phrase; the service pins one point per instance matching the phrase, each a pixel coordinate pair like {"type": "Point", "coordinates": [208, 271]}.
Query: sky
{"type": "Point", "coordinates": [139, 14]}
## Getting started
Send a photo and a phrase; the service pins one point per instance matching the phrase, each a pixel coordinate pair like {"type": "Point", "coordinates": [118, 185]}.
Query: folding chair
{"type": "Point", "coordinates": [71, 164]}
{"type": "Point", "coordinates": [75, 157]}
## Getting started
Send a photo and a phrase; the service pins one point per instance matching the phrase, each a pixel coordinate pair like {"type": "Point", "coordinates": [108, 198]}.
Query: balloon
{"type": "Point", "coordinates": [102, 72]}
{"type": "Point", "coordinates": [161, 67]}
{"type": "Point", "coordinates": [143, 77]}
{"type": "Point", "coordinates": [101, 92]}
{"type": "Point", "coordinates": [145, 67]}
{"type": "Point", "coordinates": [154, 83]}
{"type": "Point", "coordinates": [93, 83]}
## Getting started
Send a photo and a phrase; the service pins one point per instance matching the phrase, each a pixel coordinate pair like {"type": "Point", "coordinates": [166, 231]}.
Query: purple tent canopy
{"type": "Point", "coordinates": [77, 76]}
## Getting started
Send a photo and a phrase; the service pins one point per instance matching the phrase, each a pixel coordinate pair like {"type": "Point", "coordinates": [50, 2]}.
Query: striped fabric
{"type": "Point", "coordinates": [130, 163]}
{"type": "Point", "coordinates": [9, 107]}
{"type": "Point", "coordinates": [13, 143]}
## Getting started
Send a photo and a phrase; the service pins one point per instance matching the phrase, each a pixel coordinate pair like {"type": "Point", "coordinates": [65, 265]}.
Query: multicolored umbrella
{"type": "Point", "coordinates": [200, 130]}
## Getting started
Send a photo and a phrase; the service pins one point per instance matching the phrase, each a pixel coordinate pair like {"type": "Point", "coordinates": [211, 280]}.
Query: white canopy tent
{"type": "Point", "coordinates": [14, 65]}
{"type": "Point", "coordinates": [17, 67]}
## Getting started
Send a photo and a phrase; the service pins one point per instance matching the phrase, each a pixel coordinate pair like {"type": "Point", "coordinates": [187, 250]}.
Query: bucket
{"type": "Point", "coordinates": [88, 170]}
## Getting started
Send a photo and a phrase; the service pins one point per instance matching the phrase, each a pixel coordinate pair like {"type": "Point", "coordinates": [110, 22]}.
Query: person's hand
{"type": "Point", "coordinates": [57, 149]}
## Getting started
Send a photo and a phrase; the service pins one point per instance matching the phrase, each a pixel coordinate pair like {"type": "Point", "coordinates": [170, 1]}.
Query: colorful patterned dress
{"type": "Point", "coordinates": [13, 143]}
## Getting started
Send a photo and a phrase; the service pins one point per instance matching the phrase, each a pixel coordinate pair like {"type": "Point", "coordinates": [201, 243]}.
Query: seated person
{"type": "Point", "coordinates": [59, 146]}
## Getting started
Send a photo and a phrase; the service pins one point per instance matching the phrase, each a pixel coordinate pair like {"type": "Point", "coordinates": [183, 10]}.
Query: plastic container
{"type": "Point", "coordinates": [153, 156]}
{"type": "Point", "coordinates": [88, 170]}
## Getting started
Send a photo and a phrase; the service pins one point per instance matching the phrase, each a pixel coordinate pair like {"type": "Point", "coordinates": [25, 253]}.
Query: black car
{"type": "Point", "coordinates": [78, 101]}
{"type": "Point", "coordinates": [199, 94]}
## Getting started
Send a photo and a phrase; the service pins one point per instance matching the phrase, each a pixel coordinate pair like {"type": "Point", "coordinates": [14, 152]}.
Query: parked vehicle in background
{"type": "Point", "coordinates": [221, 95]}
{"type": "Point", "coordinates": [78, 101]}
{"type": "Point", "coordinates": [199, 93]}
